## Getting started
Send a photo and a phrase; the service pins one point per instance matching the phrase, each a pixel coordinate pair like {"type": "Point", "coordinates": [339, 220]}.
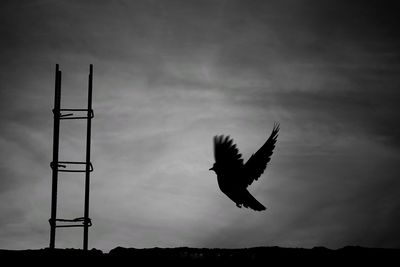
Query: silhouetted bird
{"type": "Point", "coordinates": [233, 176]}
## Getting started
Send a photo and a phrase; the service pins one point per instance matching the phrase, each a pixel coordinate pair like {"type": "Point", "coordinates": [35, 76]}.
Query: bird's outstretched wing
{"type": "Point", "coordinates": [257, 163]}
{"type": "Point", "coordinates": [225, 152]}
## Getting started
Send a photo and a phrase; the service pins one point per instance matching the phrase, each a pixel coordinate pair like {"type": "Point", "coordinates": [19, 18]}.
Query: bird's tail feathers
{"type": "Point", "coordinates": [252, 203]}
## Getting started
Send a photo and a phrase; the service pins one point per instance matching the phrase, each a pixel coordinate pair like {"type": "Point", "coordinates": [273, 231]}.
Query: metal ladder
{"type": "Point", "coordinates": [70, 166]}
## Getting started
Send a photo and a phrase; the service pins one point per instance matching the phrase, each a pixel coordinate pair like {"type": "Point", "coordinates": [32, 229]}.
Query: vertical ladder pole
{"type": "Point", "coordinates": [87, 172]}
{"type": "Point", "coordinates": [54, 164]}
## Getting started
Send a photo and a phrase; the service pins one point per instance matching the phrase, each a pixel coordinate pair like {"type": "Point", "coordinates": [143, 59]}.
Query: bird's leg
{"type": "Point", "coordinates": [238, 205]}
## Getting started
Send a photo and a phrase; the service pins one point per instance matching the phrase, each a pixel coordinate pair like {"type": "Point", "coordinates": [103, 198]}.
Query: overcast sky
{"type": "Point", "coordinates": [168, 76]}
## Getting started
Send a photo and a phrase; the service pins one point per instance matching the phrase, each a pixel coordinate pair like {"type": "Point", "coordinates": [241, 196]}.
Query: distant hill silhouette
{"type": "Point", "coordinates": [318, 256]}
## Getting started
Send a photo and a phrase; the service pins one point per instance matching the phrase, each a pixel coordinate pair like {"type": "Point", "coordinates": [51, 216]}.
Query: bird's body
{"type": "Point", "coordinates": [233, 176]}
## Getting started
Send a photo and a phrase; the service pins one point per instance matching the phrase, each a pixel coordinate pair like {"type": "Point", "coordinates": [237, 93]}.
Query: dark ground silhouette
{"type": "Point", "coordinates": [318, 256]}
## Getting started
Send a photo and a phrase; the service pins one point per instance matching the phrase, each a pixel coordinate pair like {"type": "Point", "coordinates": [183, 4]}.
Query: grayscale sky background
{"type": "Point", "coordinates": [168, 76]}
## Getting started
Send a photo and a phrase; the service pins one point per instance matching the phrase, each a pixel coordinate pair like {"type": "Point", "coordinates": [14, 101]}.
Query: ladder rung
{"type": "Point", "coordinates": [73, 109]}
{"type": "Point", "coordinates": [80, 219]}
{"type": "Point", "coordinates": [62, 117]}
{"type": "Point", "coordinates": [63, 164]}
{"type": "Point", "coordinates": [70, 116]}
{"type": "Point", "coordinates": [72, 225]}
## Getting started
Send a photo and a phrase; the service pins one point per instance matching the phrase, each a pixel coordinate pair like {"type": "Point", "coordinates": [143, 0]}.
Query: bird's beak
{"type": "Point", "coordinates": [211, 169]}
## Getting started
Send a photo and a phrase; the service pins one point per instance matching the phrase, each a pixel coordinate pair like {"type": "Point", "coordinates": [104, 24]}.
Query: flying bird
{"type": "Point", "coordinates": [233, 176]}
